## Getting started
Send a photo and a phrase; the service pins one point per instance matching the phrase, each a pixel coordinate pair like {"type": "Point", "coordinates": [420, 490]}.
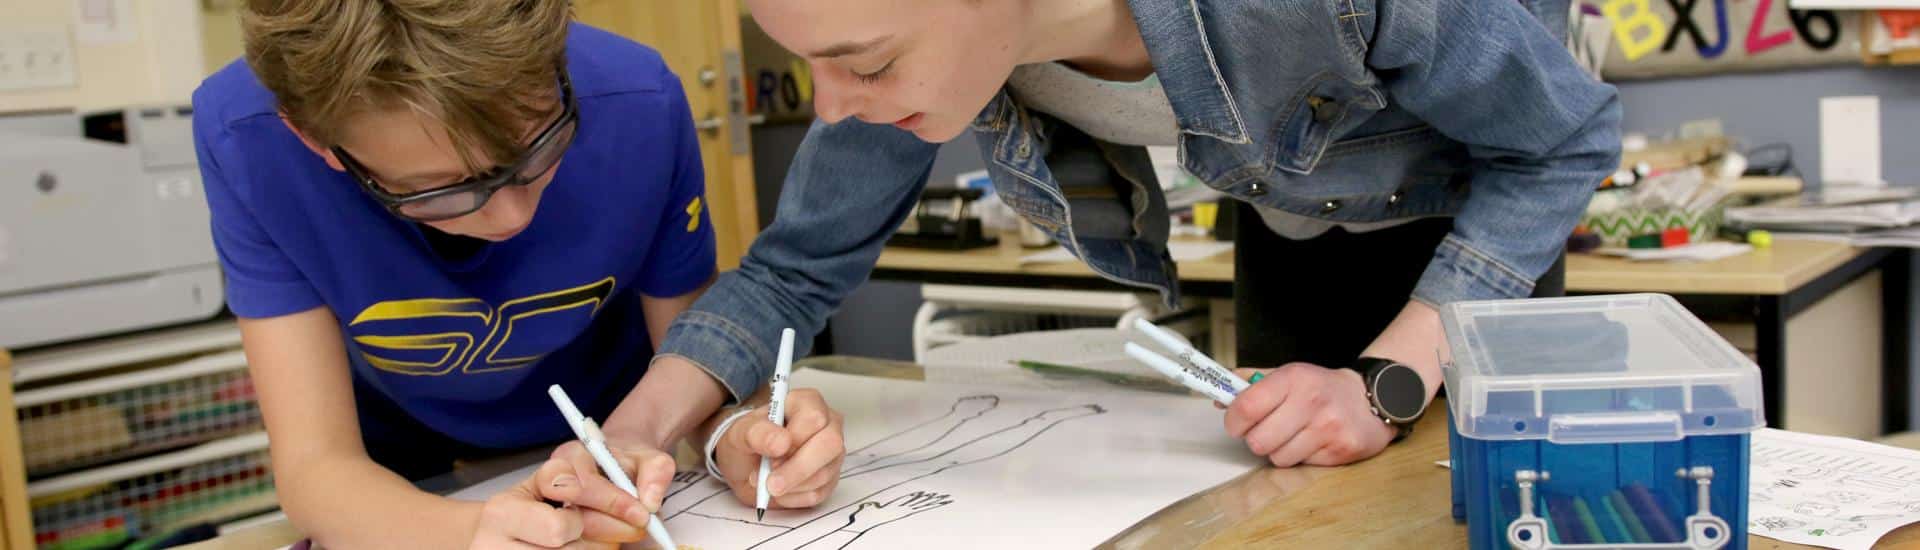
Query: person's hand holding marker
{"type": "Point", "coordinates": [1307, 414]}
{"type": "Point", "coordinates": [1297, 414]}
{"type": "Point", "coordinates": [790, 441]}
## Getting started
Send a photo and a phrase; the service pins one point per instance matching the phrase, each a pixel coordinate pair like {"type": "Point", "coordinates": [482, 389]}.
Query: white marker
{"type": "Point", "coordinates": [1194, 367]}
{"type": "Point", "coordinates": [776, 412]}
{"type": "Point", "coordinates": [589, 433]}
{"type": "Point", "coordinates": [1185, 376]}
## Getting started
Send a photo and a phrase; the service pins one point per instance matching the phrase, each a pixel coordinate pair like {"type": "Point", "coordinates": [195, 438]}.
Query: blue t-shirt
{"type": "Point", "coordinates": [467, 347]}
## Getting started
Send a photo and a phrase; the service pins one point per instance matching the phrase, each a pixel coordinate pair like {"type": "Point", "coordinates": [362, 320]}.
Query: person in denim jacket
{"type": "Point", "coordinates": [1398, 156]}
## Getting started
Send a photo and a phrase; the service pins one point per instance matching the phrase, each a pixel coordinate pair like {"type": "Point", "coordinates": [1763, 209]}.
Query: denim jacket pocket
{"type": "Point", "coordinates": [1316, 116]}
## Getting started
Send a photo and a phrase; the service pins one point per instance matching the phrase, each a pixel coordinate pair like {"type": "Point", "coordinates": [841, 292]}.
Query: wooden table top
{"type": "Point", "coordinates": [1397, 497]}
{"type": "Point", "coordinates": [1386, 502]}
{"type": "Point", "coordinates": [1777, 270]}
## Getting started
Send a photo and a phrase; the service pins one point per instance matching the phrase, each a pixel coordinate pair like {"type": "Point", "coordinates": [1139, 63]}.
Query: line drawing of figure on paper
{"type": "Point", "coordinates": [958, 438]}
{"type": "Point", "coordinates": [872, 514]}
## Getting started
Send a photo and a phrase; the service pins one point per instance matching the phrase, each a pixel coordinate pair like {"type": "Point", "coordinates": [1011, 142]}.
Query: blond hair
{"type": "Point", "coordinates": [480, 68]}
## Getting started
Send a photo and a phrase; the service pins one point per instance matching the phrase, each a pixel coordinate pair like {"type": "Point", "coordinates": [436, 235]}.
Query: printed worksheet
{"type": "Point", "coordinates": [1830, 491]}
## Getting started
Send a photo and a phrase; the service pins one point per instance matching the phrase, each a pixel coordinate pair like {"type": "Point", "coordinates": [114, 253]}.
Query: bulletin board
{"type": "Point", "coordinates": [1660, 38]}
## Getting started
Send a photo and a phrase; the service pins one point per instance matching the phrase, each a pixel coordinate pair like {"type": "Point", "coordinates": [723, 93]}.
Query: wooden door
{"type": "Point", "coordinates": [700, 40]}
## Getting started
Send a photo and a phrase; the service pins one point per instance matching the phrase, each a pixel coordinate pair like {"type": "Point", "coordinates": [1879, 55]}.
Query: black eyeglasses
{"type": "Point", "coordinates": [468, 195]}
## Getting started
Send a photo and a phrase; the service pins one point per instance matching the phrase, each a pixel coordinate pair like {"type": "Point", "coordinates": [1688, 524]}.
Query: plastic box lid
{"type": "Point", "coordinates": [1599, 369]}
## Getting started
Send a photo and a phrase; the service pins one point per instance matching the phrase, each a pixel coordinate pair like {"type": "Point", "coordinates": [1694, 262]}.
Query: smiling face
{"type": "Point", "coordinates": [926, 66]}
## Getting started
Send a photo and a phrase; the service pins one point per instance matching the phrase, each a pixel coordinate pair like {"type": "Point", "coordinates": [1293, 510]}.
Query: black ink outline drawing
{"type": "Point", "coordinates": [942, 443]}
{"type": "Point", "coordinates": [985, 403]}
{"type": "Point", "coordinates": [996, 444]}
{"type": "Point", "coordinates": [1778, 524]}
{"type": "Point", "coordinates": [682, 482]}
{"type": "Point", "coordinates": [958, 413]}
{"type": "Point", "coordinates": [872, 514]}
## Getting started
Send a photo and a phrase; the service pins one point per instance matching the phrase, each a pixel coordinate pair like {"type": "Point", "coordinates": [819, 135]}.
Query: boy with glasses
{"type": "Point", "coordinates": [428, 212]}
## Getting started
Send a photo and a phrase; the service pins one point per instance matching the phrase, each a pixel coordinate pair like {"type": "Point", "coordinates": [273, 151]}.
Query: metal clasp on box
{"type": "Point", "coordinates": [1704, 530]}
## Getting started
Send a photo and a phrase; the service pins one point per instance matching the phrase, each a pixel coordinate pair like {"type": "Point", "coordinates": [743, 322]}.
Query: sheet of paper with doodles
{"type": "Point", "coordinates": [1829, 491]}
{"type": "Point", "coordinates": [935, 466]}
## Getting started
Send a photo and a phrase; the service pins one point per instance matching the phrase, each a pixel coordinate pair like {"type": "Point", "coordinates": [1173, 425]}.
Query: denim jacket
{"type": "Point", "coordinates": [1343, 110]}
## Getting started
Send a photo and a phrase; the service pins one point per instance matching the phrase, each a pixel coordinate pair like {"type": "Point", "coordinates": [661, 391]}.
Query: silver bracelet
{"type": "Point", "coordinates": [713, 441]}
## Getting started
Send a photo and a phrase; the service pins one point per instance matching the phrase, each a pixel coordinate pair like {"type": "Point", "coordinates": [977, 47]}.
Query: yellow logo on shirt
{"type": "Point", "coordinates": [693, 215]}
{"type": "Point", "coordinates": [450, 333]}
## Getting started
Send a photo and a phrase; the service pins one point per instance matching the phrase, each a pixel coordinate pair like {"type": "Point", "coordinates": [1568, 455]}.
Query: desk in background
{"type": "Point", "coordinates": [1000, 266]}
{"type": "Point", "coordinates": [1817, 317]}
{"type": "Point", "coordinates": [1801, 307]}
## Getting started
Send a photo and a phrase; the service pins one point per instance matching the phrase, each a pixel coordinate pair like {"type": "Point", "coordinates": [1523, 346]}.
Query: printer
{"type": "Point", "coordinates": [103, 228]}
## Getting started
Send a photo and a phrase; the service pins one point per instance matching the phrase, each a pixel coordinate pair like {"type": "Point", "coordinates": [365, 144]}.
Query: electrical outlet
{"type": "Point", "coordinates": [36, 58]}
{"type": "Point", "coordinates": [1850, 140]}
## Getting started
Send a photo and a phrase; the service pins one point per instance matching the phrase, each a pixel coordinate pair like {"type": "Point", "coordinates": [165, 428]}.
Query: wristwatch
{"type": "Point", "coordinates": [1395, 391]}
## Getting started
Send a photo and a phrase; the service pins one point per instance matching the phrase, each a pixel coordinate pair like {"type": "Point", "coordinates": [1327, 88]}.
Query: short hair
{"type": "Point", "coordinates": [477, 67]}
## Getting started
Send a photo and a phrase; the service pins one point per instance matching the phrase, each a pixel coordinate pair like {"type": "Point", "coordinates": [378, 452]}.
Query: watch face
{"type": "Point", "coordinates": [1400, 392]}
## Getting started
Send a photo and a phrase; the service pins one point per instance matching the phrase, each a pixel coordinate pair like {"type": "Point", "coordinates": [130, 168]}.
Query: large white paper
{"type": "Point", "coordinates": [1829, 491]}
{"type": "Point", "coordinates": [934, 466]}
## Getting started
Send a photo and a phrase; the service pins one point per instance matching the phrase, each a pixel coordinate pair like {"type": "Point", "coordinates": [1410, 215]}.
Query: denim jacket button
{"type": "Point", "coordinates": [1324, 110]}
{"type": "Point", "coordinates": [1256, 189]}
{"type": "Point", "coordinates": [1330, 207]}
{"type": "Point", "coordinates": [1025, 150]}
{"type": "Point", "coordinates": [1394, 199]}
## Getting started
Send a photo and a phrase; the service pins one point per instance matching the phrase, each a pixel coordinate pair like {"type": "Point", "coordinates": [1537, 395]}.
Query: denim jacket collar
{"type": "Point", "coordinates": [1182, 53]}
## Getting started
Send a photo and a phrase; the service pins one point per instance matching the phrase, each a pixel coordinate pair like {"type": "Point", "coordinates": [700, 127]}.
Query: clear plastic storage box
{"type": "Point", "coordinates": [1605, 421]}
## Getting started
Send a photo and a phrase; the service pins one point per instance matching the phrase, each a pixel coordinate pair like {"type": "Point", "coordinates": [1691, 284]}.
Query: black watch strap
{"type": "Point", "coordinates": [1395, 391]}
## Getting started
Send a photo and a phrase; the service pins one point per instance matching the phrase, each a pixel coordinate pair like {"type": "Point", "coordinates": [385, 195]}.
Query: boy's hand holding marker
{"type": "Point", "coordinates": [1297, 414]}
{"type": "Point", "coordinates": [525, 516]}
{"type": "Point", "coordinates": [804, 455]}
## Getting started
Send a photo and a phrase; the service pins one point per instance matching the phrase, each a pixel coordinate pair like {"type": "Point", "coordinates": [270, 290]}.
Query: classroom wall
{"type": "Point", "coordinates": [162, 64]}
{"type": "Point", "coordinates": [1763, 108]}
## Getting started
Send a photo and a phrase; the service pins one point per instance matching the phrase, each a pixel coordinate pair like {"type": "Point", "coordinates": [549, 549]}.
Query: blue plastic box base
{"type": "Point", "coordinates": [1591, 483]}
